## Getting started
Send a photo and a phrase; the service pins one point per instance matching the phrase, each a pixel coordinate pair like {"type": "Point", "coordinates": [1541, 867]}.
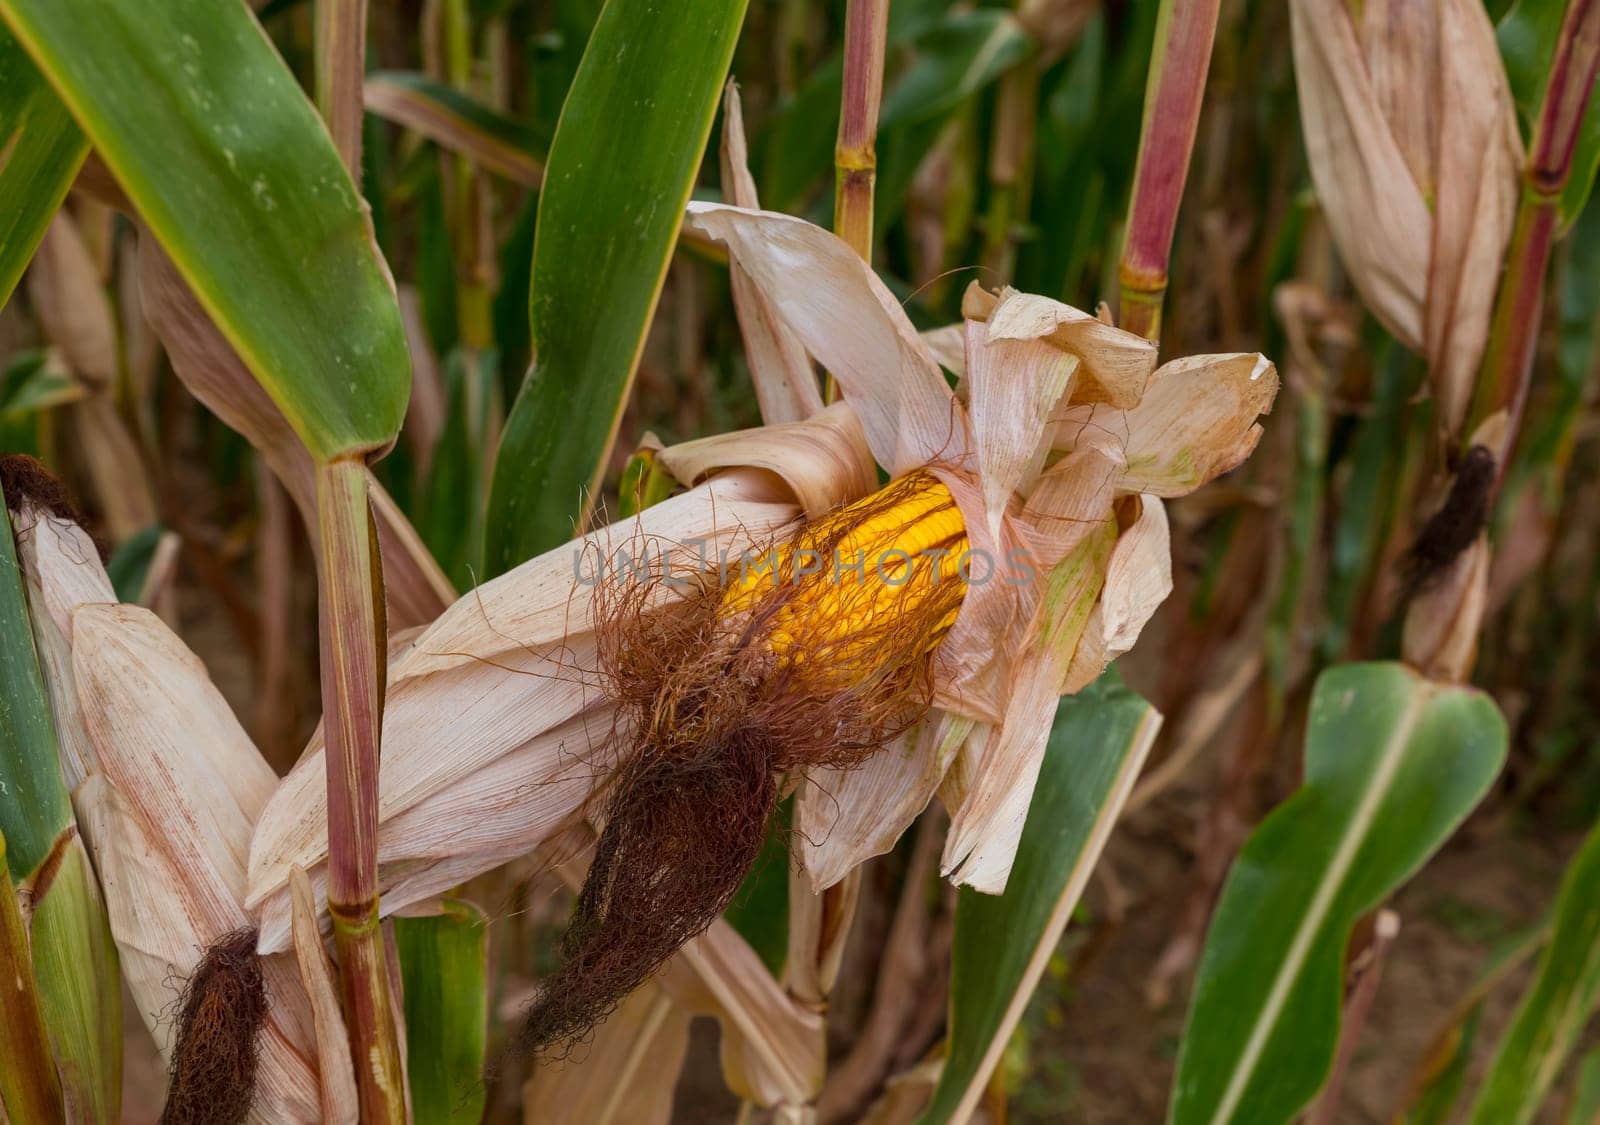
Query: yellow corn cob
{"type": "Point", "coordinates": [834, 607]}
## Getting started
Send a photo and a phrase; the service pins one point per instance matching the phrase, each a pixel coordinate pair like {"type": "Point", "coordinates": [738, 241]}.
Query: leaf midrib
{"type": "Point", "coordinates": [1322, 902]}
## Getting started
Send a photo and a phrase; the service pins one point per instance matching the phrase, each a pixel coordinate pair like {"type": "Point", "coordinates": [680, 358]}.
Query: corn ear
{"type": "Point", "coordinates": [74, 966]}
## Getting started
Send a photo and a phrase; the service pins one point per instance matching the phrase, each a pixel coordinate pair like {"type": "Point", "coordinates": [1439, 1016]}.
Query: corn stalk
{"type": "Point", "coordinates": [1178, 65]}
{"type": "Point", "coordinates": [855, 156]}
{"type": "Point", "coordinates": [1514, 331]}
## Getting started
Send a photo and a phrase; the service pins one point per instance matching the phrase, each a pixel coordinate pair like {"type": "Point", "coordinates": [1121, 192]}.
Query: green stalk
{"type": "Point", "coordinates": [29, 1089]}
{"type": "Point", "coordinates": [1176, 87]}
{"type": "Point", "coordinates": [350, 608]}
{"type": "Point", "coordinates": [1010, 165]}
{"type": "Point", "coordinates": [471, 231]}
{"type": "Point", "coordinates": [1514, 331]}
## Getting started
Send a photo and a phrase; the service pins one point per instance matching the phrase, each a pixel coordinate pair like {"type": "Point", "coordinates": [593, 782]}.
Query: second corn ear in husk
{"type": "Point", "coordinates": [1412, 139]}
{"type": "Point", "coordinates": [167, 787]}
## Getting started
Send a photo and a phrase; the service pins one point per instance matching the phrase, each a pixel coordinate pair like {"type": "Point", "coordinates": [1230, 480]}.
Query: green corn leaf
{"type": "Point", "coordinates": [444, 965]}
{"type": "Point", "coordinates": [1394, 763]}
{"type": "Point", "coordinates": [35, 379]}
{"type": "Point", "coordinates": [1003, 942]}
{"type": "Point", "coordinates": [451, 501]}
{"type": "Point", "coordinates": [760, 911]}
{"type": "Point", "coordinates": [207, 132]}
{"type": "Point", "coordinates": [40, 151]}
{"type": "Point", "coordinates": [648, 87]}
{"type": "Point", "coordinates": [1435, 1087]}
{"type": "Point", "coordinates": [80, 988]}
{"type": "Point", "coordinates": [34, 809]}
{"type": "Point", "coordinates": [129, 565]}
{"type": "Point", "coordinates": [1586, 1095]}
{"type": "Point", "coordinates": [1527, 34]}
{"type": "Point", "coordinates": [1556, 1006]}
{"type": "Point", "coordinates": [956, 59]}
{"type": "Point", "coordinates": [956, 56]}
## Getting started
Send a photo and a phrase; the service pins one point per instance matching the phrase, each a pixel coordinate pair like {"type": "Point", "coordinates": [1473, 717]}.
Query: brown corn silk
{"type": "Point", "coordinates": [815, 653]}
{"type": "Point", "coordinates": [215, 1053]}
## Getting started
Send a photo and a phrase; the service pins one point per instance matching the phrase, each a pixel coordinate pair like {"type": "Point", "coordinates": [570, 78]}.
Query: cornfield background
{"type": "Point", "coordinates": [325, 313]}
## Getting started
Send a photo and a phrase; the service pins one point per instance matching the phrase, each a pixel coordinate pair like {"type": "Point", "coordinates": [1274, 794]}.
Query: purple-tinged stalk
{"type": "Point", "coordinates": [341, 56]}
{"type": "Point", "coordinates": [1514, 331]}
{"type": "Point", "coordinates": [351, 626]}
{"type": "Point", "coordinates": [855, 155]}
{"type": "Point", "coordinates": [352, 634]}
{"type": "Point", "coordinates": [1179, 62]}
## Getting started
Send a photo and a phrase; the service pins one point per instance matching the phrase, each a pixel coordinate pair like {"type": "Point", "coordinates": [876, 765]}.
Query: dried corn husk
{"type": "Point", "coordinates": [1064, 415]}
{"type": "Point", "coordinates": [1412, 138]}
{"type": "Point", "coordinates": [167, 787]}
{"type": "Point", "coordinates": [496, 726]}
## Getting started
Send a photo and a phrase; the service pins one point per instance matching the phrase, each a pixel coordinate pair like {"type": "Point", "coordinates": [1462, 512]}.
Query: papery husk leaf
{"type": "Point", "coordinates": [1442, 623]}
{"type": "Point", "coordinates": [1138, 580]}
{"type": "Point", "coordinates": [1400, 42]}
{"type": "Point", "coordinates": [62, 569]}
{"type": "Point", "coordinates": [773, 1051]}
{"type": "Point", "coordinates": [962, 772]}
{"type": "Point", "coordinates": [169, 742]}
{"type": "Point", "coordinates": [1012, 387]}
{"type": "Point", "coordinates": [772, 1048]}
{"type": "Point", "coordinates": [1197, 420]}
{"type": "Point", "coordinates": [948, 345]}
{"type": "Point", "coordinates": [824, 460]}
{"type": "Point", "coordinates": [844, 817]}
{"type": "Point", "coordinates": [818, 930]}
{"type": "Point", "coordinates": [162, 932]}
{"type": "Point", "coordinates": [1114, 365]}
{"type": "Point", "coordinates": [785, 382]}
{"type": "Point", "coordinates": [986, 829]}
{"type": "Point", "coordinates": [1374, 207]}
{"type": "Point", "coordinates": [627, 1072]}
{"type": "Point", "coordinates": [336, 1077]}
{"type": "Point", "coordinates": [71, 304]}
{"type": "Point", "coordinates": [850, 322]}
{"type": "Point", "coordinates": [1478, 178]}
{"type": "Point", "coordinates": [972, 662]}
{"type": "Point", "coordinates": [168, 818]}
{"type": "Point", "coordinates": [496, 725]}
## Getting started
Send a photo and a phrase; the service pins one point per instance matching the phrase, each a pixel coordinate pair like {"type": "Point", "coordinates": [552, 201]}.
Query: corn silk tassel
{"type": "Point", "coordinates": [816, 653]}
